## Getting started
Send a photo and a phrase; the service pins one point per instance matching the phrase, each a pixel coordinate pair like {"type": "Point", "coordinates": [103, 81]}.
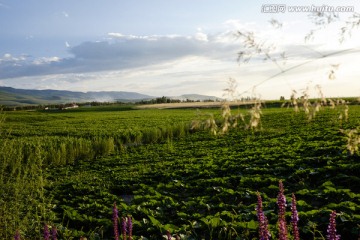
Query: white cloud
{"type": "Point", "coordinates": [46, 60]}
{"type": "Point", "coordinates": [237, 24]}
{"type": "Point", "coordinates": [120, 36]}
{"type": "Point", "coordinates": [7, 56]}
{"type": "Point", "coordinates": [10, 59]}
{"type": "Point", "coordinates": [201, 37]}
{"type": "Point", "coordinates": [171, 78]}
{"type": "Point", "coordinates": [123, 52]}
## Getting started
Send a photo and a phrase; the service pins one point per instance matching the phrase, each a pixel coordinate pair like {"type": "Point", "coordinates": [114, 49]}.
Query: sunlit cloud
{"type": "Point", "coordinates": [121, 52]}
{"type": "Point", "coordinates": [46, 60]}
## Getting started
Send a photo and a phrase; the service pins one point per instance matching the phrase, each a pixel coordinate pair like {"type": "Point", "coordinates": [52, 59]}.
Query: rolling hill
{"type": "Point", "coordinates": [18, 97]}
{"type": "Point", "coordinates": [15, 97]}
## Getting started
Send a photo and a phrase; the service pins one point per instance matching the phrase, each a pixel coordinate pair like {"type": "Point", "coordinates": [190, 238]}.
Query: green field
{"type": "Point", "coordinates": [67, 168]}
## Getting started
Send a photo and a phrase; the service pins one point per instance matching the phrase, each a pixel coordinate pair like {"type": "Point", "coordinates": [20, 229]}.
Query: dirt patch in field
{"type": "Point", "coordinates": [191, 105]}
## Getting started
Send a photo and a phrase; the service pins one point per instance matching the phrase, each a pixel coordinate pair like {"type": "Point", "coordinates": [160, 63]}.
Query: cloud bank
{"type": "Point", "coordinates": [118, 52]}
{"type": "Point", "coordinates": [173, 65]}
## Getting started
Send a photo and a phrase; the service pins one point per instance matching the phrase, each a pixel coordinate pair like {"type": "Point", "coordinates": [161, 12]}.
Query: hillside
{"type": "Point", "coordinates": [15, 97]}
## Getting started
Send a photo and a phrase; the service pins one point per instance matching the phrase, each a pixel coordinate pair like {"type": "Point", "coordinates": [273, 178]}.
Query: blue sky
{"type": "Point", "coordinates": [163, 47]}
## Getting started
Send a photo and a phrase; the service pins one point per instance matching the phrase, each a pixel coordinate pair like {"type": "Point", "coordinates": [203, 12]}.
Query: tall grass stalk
{"type": "Point", "coordinates": [24, 206]}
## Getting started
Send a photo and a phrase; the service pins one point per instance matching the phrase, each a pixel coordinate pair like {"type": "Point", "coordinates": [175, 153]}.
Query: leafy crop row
{"type": "Point", "coordinates": [198, 185]}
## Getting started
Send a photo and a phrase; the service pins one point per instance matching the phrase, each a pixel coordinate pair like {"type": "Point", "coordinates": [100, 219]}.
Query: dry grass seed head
{"type": "Point", "coordinates": [230, 91]}
{"type": "Point", "coordinates": [353, 140]}
{"type": "Point", "coordinates": [255, 116]}
{"type": "Point", "coordinates": [332, 103]}
{"type": "Point", "coordinates": [294, 100]}
{"type": "Point", "coordinates": [195, 125]}
{"type": "Point", "coordinates": [346, 113]}
{"type": "Point", "coordinates": [210, 124]}
{"type": "Point", "coordinates": [321, 94]}
{"type": "Point", "coordinates": [225, 110]}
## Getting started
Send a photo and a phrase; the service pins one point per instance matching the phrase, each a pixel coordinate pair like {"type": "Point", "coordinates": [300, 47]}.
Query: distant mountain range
{"type": "Point", "coordinates": [12, 96]}
{"type": "Point", "coordinates": [16, 97]}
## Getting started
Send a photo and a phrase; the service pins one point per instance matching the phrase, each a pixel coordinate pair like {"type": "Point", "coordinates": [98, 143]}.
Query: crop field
{"type": "Point", "coordinates": [67, 168]}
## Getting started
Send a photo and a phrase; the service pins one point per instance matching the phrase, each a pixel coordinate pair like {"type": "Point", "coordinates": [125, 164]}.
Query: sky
{"type": "Point", "coordinates": [175, 47]}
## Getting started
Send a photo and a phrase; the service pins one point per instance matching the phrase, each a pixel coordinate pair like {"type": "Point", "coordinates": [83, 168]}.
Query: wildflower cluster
{"type": "Point", "coordinates": [46, 232]}
{"type": "Point", "coordinates": [264, 233]}
{"type": "Point", "coordinates": [126, 225]}
{"type": "Point", "coordinates": [281, 201]}
{"type": "Point", "coordinates": [331, 231]}
{"type": "Point", "coordinates": [17, 235]}
{"type": "Point", "coordinates": [115, 222]}
{"type": "Point", "coordinates": [294, 218]}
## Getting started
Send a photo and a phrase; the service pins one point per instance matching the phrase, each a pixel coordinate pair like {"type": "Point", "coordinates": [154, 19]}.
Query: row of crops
{"type": "Point", "coordinates": [68, 168]}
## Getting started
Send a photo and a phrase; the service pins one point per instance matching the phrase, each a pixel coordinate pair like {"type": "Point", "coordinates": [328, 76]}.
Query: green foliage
{"type": "Point", "coordinates": [23, 203]}
{"type": "Point", "coordinates": [75, 165]}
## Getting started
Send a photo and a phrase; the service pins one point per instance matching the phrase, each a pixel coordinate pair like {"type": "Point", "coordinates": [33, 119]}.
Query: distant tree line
{"type": "Point", "coordinates": [350, 101]}
{"type": "Point", "coordinates": [164, 99]}
{"type": "Point", "coordinates": [57, 106]}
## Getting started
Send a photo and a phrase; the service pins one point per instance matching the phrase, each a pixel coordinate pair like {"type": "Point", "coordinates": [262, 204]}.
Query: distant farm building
{"type": "Point", "coordinates": [73, 105]}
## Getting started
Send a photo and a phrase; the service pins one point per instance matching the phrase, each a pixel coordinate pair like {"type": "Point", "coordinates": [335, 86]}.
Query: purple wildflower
{"type": "Point", "coordinates": [129, 227]}
{"type": "Point", "coordinates": [168, 234]}
{"type": "Point", "coordinates": [54, 233]}
{"type": "Point", "coordinates": [17, 235]}
{"type": "Point", "coordinates": [281, 201]}
{"type": "Point", "coordinates": [115, 222]}
{"type": "Point", "coordinates": [294, 218]}
{"type": "Point", "coordinates": [123, 227]}
{"type": "Point", "coordinates": [264, 233]}
{"type": "Point", "coordinates": [332, 228]}
{"type": "Point", "coordinates": [46, 232]}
